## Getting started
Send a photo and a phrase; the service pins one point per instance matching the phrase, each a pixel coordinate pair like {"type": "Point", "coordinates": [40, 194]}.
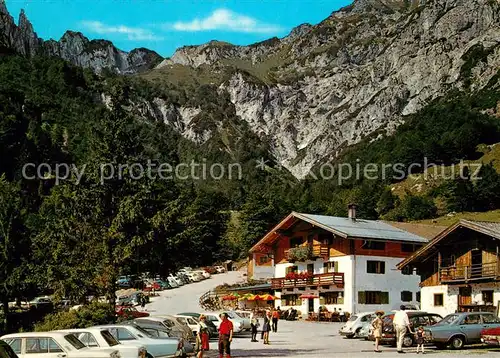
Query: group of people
{"type": "Point", "coordinates": [401, 324]}
{"type": "Point", "coordinates": [225, 336]}
{"type": "Point", "coordinates": [271, 319]}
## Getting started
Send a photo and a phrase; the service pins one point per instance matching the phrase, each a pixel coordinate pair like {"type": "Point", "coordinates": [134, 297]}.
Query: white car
{"type": "Point", "coordinates": [156, 347]}
{"type": "Point", "coordinates": [356, 323]}
{"type": "Point", "coordinates": [172, 282]}
{"type": "Point", "coordinates": [176, 279]}
{"type": "Point", "coordinates": [191, 322]}
{"type": "Point", "coordinates": [101, 338]}
{"type": "Point", "coordinates": [220, 269]}
{"type": "Point", "coordinates": [216, 320]}
{"type": "Point", "coordinates": [54, 345]}
{"type": "Point", "coordinates": [193, 276]}
{"type": "Point", "coordinates": [235, 317]}
{"type": "Point", "coordinates": [204, 273]}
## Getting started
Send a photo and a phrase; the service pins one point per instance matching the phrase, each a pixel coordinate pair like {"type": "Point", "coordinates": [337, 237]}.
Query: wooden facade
{"type": "Point", "coordinates": [465, 256]}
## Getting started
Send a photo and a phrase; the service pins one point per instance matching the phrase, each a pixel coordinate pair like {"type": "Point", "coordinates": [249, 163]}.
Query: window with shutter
{"type": "Point", "coordinates": [361, 297]}
{"type": "Point", "coordinates": [384, 298]}
{"type": "Point", "coordinates": [321, 300]}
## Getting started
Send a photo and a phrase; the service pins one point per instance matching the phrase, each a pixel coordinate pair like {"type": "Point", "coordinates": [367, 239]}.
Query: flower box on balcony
{"type": "Point", "coordinates": [302, 253]}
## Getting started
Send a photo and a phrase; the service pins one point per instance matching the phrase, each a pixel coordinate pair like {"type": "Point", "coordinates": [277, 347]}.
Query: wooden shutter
{"type": "Point", "coordinates": [325, 267]}
{"type": "Point", "coordinates": [322, 300]}
{"type": "Point", "coordinates": [361, 297]}
{"type": "Point", "coordinates": [340, 300]}
{"type": "Point", "coordinates": [384, 298]}
{"type": "Point", "coordinates": [336, 266]}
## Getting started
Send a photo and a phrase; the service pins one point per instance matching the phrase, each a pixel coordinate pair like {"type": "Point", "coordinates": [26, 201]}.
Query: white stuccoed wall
{"type": "Point", "coordinates": [393, 281]}
{"type": "Point", "coordinates": [450, 297]}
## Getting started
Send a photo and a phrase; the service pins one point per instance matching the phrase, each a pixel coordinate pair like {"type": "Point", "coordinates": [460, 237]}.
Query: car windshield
{"type": "Point", "coordinates": [450, 319]}
{"type": "Point", "coordinates": [232, 315]}
{"type": "Point", "coordinates": [108, 337]}
{"type": "Point", "coordinates": [143, 331]}
{"type": "Point", "coordinates": [353, 318]}
{"type": "Point", "coordinates": [75, 342]}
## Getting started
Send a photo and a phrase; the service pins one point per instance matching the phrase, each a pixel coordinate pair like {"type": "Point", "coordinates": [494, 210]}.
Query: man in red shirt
{"type": "Point", "coordinates": [225, 336]}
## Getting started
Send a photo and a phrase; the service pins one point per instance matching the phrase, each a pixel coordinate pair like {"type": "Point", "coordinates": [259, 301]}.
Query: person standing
{"type": "Point", "coordinates": [225, 336]}
{"type": "Point", "coordinates": [275, 318]}
{"type": "Point", "coordinates": [266, 328]}
{"type": "Point", "coordinates": [377, 325]}
{"type": "Point", "coordinates": [420, 335]}
{"type": "Point", "coordinates": [143, 303]}
{"type": "Point", "coordinates": [254, 323]}
{"type": "Point", "coordinates": [203, 336]}
{"type": "Point", "coordinates": [401, 324]}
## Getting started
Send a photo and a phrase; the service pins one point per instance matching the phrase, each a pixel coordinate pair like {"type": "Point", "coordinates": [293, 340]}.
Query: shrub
{"type": "Point", "coordinates": [86, 316]}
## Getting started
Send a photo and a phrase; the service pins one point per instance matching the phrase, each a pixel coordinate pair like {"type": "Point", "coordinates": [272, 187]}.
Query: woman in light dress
{"type": "Point", "coordinates": [377, 325]}
{"type": "Point", "coordinates": [203, 337]}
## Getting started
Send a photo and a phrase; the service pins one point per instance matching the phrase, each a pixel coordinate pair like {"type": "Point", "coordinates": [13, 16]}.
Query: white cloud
{"type": "Point", "coordinates": [131, 33]}
{"type": "Point", "coordinates": [225, 20]}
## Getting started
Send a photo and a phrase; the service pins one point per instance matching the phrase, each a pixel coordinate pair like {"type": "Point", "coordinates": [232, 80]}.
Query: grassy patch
{"type": "Point", "coordinates": [446, 220]}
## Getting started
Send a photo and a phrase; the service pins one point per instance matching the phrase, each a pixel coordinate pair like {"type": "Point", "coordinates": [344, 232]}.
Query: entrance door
{"type": "Point", "coordinates": [477, 263]}
{"type": "Point", "coordinates": [310, 305]}
{"type": "Point", "coordinates": [464, 296]}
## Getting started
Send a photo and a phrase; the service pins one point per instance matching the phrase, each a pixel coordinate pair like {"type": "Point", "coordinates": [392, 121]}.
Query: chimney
{"type": "Point", "coordinates": [351, 213]}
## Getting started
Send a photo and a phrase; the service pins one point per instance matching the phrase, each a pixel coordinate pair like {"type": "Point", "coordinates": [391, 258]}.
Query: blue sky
{"type": "Point", "coordinates": [164, 25]}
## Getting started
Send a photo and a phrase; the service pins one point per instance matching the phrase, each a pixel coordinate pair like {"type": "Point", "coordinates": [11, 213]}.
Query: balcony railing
{"type": "Point", "coordinates": [490, 270]}
{"type": "Point", "coordinates": [324, 279]}
{"type": "Point", "coordinates": [313, 252]}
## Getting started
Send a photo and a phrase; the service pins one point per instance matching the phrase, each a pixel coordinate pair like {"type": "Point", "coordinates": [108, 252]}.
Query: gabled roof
{"type": "Point", "coordinates": [425, 230]}
{"type": "Point", "coordinates": [485, 227]}
{"type": "Point", "coordinates": [343, 227]}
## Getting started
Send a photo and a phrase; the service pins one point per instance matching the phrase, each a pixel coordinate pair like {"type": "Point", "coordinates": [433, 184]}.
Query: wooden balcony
{"type": "Point", "coordinates": [315, 251]}
{"type": "Point", "coordinates": [324, 279]}
{"type": "Point", "coordinates": [490, 270]}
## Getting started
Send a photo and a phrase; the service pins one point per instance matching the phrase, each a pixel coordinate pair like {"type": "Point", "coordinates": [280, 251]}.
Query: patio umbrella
{"type": "Point", "coordinates": [228, 298]}
{"type": "Point", "coordinates": [253, 297]}
{"type": "Point", "coordinates": [246, 296]}
{"type": "Point", "coordinates": [267, 297]}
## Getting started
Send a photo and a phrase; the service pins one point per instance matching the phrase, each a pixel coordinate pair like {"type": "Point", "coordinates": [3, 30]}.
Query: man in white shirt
{"type": "Point", "coordinates": [401, 324]}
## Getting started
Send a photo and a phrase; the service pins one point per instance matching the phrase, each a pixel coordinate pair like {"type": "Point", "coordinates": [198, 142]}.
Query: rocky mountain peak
{"type": "Point", "coordinates": [73, 47]}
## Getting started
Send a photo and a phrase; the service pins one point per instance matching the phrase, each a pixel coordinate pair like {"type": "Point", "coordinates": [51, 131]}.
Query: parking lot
{"type": "Point", "coordinates": [313, 339]}
{"type": "Point", "coordinates": [294, 339]}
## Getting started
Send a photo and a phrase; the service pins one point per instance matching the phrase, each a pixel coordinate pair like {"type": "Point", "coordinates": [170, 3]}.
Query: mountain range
{"type": "Point", "coordinates": [308, 96]}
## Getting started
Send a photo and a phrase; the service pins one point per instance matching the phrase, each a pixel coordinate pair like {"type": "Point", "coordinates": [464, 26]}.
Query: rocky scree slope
{"type": "Point", "coordinates": [73, 47]}
{"type": "Point", "coordinates": [359, 72]}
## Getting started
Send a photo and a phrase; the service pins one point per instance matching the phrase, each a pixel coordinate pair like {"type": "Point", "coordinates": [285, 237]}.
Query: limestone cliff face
{"type": "Point", "coordinates": [362, 69]}
{"type": "Point", "coordinates": [73, 47]}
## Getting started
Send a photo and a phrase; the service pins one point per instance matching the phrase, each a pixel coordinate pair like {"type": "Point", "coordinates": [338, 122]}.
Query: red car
{"type": "Point", "coordinates": [491, 336]}
{"type": "Point", "coordinates": [130, 312]}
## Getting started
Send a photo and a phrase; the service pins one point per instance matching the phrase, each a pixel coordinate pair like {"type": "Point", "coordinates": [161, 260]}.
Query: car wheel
{"type": "Point", "coordinates": [407, 341]}
{"type": "Point", "coordinates": [349, 336]}
{"type": "Point", "coordinates": [457, 342]}
{"type": "Point", "coordinates": [357, 332]}
{"type": "Point", "coordinates": [148, 355]}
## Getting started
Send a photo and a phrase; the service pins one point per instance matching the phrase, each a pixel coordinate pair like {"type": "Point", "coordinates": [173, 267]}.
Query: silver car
{"type": "Point", "coordinates": [459, 329]}
{"type": "Point", "coordinates": [357, 324]}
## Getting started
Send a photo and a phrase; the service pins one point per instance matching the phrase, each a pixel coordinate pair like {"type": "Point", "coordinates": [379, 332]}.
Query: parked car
{"type": "Point", "coordinates": [170, 322]}
{"type": "Point", "coordinates": [235, 317]}
{"type": "Point", "coordinates": [176, 279]}
{"type": "Point", "coordinates": [220, 269]}
{"type": "Point", "coordinates": [491, 336]}
{"type": "Point", "coordinates": [102, 338]}
{"type": "Point", "coordinates": [211, 270]}
{"type": "Point", "coordinates": [203, 273]}
{"type": "Point", "coordinates": [172, 282]}
{"type": "Point", "coordinates": [216, 320]}
{"type": "Point", "coordinates": [130, 312]}
{"type": "Point", "coordinates": [243, 314]}
{"type": "Point", "coordinates": [62, 344]}
{"type": "Point", "coordinates": [356, 323]}
{"type": "Point", "coordinates": [41, 303]}
{"type": "Point", "coordinates": [157, 331]}
{"type": "Point", "coordinates": [417, 319]}
{"type": "Point", "coordinates": [156, 347]}
{"type": "Point", "coordinates": [191, 322]}
{"type": "Point", "coordinates": [459, 329]}
{"type": "Point", "coordinates": [124, 282]}
{"type": "Point", "coordinates": [194, 277]}
{"type": "Point", "coordinates": [212, 330]}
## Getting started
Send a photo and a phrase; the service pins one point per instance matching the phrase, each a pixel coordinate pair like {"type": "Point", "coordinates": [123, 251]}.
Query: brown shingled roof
{"type": "Point", "coordinates": [424, 230]}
